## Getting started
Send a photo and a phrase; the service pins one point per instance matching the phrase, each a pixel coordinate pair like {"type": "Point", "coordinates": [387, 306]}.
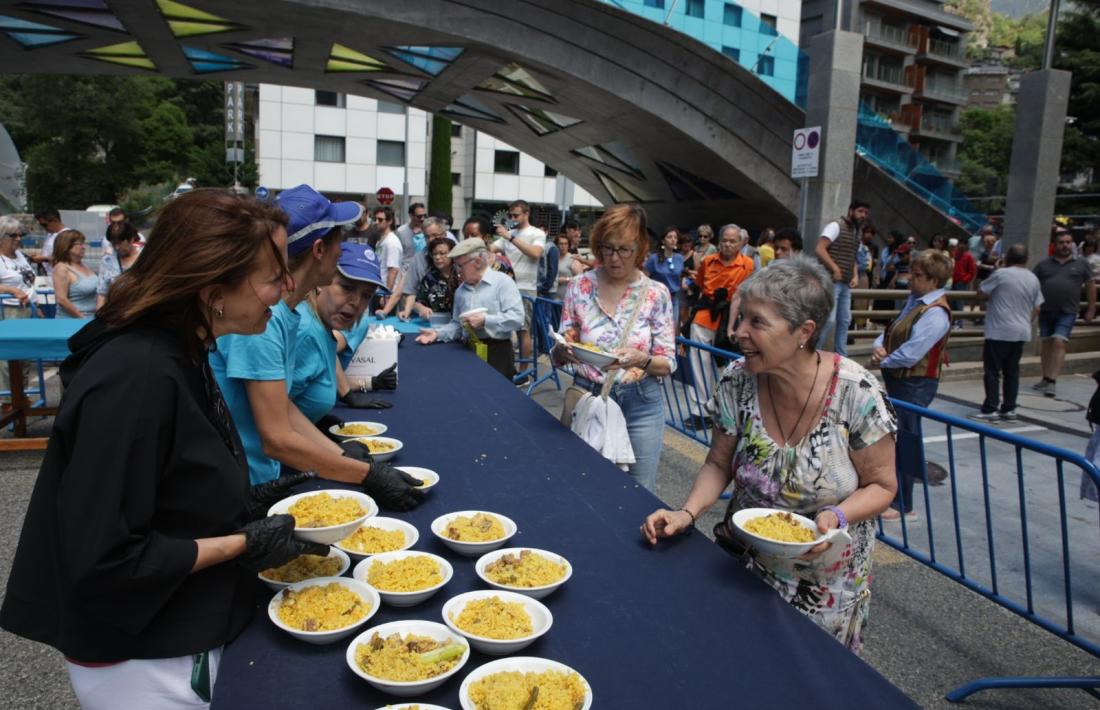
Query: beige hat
{"type": "Point", "coordinates": [468, 246]}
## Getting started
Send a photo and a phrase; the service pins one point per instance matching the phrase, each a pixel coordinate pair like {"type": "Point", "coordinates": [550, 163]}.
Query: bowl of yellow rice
{"type": "Point", "coordinates": [326, 516]}
{"type": "Point", "coordinates": [427, 477]}
{"type": "Point", "coordinates": [305, 567]}
{"type": "Point", "coordinates": [382, 448]}
{"type": "Point", "coordinates": [404, 578]}
{"type": "Point", "coordinates": [354, 430]}
{"type": "Point", "coordinates": [592, 354]}
{"type": "Point", "coordinates": [324, 609]}
{"type": "Point", "coordinates": [509, 682]}
{"type": "Point", "coordinates": [407, 658]}
{"type": "Point", "coordinates": [473, 532]}
{"type": "Point", "coordinates": [496, 622]}
{"type": "Point", "coordinates": [379, 535]}
{"type": "Point", "coordinates": [526, 570]}
{"type": "Point", "coordinates": [781, 533]}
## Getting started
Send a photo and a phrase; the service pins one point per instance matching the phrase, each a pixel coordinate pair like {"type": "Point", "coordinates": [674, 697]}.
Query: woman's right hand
{"type": "Point", "coordinates": [665, 523]}
{"type": "Point", "coordinates": [563, 354]}
{"type": "Point", "coordinates": [270, 542]}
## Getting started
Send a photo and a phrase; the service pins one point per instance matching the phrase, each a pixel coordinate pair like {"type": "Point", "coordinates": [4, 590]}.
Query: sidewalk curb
{"type": "Point", "coordinates": [1053, 426]}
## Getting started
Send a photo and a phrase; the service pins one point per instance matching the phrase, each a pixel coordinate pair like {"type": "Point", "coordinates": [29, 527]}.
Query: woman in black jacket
{"type": "Point", "coordinates": [141, 542]}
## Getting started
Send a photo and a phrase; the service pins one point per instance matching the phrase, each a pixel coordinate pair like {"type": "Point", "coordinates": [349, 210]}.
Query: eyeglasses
{"type": "Point", "coordinates": [623, 252]}
{"type": "Point", "coordinates": [14, 235]}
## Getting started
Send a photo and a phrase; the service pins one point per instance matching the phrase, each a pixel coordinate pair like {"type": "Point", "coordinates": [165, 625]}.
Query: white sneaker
{"type": "Point", "coordinates": [985, 417]}
{"type": "Point", "coordinates": [1009, 416]}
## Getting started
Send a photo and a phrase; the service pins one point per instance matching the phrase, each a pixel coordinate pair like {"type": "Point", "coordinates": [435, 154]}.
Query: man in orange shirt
{"type": "Point", "coordinates": [718, 277]}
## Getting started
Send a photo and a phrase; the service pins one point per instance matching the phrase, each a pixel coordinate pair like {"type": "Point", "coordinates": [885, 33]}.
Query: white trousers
{"type": "Point", "coordinates": [143, 684]}
{"type": "Point", "coordinates": [702, 369]}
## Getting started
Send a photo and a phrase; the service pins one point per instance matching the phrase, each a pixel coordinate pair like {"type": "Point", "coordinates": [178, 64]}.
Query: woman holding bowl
{"type": "Point", "coordinates": [74, 284]}
{"type": "Point", "coordinates": [598, 309]}
{"type": "Point", "coordinates": [141, 544]}
{"type": "Point", "coordinates": [800, 430]}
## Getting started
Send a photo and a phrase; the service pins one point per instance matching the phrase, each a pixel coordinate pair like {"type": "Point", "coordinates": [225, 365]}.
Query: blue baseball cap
{"type": "Point", "coordinates": [359, 263]}
{"type": "Point", "coordinates": [312, 216]}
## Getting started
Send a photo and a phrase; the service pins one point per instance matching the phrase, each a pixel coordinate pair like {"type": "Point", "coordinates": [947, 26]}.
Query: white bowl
{"type": "Point", "coordinates": [427, 475]}
{"type": "Point", "coordinates": [405, 689]}
{"type": "Point", "coordinates": [591, 357]}
{"type": "Point", "coordinates": [385, 456]}
{"type": "Point", "coordinates": [331, 533]}
{"type": "Point", "coordinates": [472, 549]}
{"type": "Point", "coordinates": [410, 531]}
{"type": "Point", "coordinates": [345, 563]}
{"type": "Point", "coordinates": [403, 598]}
{"type": "Point", "coordinates": [472, 312]}
{"type": "Point", "coordinates": [541, 621]}
{"type": "Point", "coordinates": [767, 546]}
{"type": "Point", "coordinates": [319, 638]}
{"type": "Point", "coordinates": [521, 664]}
{"type": "Point", "coordinates": [378, 428]}
{"type": "Point", "coordinates": [533, 592]}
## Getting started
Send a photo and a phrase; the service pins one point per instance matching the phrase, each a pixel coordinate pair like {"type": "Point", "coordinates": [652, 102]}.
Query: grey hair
{"type": "Point", "coordinates": [798, 287]}
{"type": "Point", "coordinates": [9, 225]}
{"type": "Point", "coordinates": [436, 222]}
{"type": "Point", "coordinates": [727, 227]}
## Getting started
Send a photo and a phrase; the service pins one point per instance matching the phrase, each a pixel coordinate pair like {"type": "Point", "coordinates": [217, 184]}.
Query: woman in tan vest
{"type": "Point", "coordinates": [911, 353]}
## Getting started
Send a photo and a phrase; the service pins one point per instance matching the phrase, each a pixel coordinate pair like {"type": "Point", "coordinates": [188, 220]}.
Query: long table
{"type": "Point", "coordinates": [30, 339]}
{"type": "Point", "coordinates": [678, 626]}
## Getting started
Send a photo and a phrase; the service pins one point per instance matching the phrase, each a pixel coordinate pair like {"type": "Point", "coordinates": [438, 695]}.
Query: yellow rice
{"type": "Point", "coordinates": [396, 658]}
{"type": "Point", "coordinates": [482, 527]}
{"type": "Point", "coordinates": [494, 618]}
{"type": "Point", "coordinates": [322, 608]}
{"type": "Point", "coordinates": [358, 430]}
{"type": "Point", "coordinates": [410, 574]}
{"type": "Point", "coordinates": [372, 540]}
{"type": "Point", "coordinates": [510, 690]}
{"type": "Point", "coordinates": [591, 347]}
{"type": "Point", "coordinates": [305, 567]}
{"type": "Point", "coordinates": [323, 510]}
{"type": "Point", "coordinates": [780, 527]}
{"type": "Point", "coordinates": [528, 569]}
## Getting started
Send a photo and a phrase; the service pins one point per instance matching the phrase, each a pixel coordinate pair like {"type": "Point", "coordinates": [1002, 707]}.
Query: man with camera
{"type": "Point", "coordinates": [523, 244]}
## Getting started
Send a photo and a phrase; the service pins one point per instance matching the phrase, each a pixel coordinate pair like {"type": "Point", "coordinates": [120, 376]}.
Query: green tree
{"type": "Point", "coordinates": [986, 150]}
{"type": "Point", "coordinates": [439, 177]}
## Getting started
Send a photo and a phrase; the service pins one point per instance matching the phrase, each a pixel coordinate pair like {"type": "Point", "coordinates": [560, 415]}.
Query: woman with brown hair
{"type": "Point", "coordinates": [74, 284]}
{"type": "Point", "coordinates": [620, 310]}
{"type": "Point", "coordinates": [142, 538]}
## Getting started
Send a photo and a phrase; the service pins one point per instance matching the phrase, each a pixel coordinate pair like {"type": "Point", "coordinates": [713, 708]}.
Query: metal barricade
{"type": "Point", "coordinates": [993, 549]}
{"type": "Point", "coordinates": [546, 316]}
{"type": "Point", "coordinates": [698, 367]}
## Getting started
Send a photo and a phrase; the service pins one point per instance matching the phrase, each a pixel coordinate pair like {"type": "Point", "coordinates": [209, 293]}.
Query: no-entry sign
{"type": "Point", "coordinates": [384, 195]}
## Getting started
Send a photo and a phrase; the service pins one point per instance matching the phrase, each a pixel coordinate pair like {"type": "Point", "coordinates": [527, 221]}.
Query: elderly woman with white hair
{"type": "Point", "coordinates": [798, 430]}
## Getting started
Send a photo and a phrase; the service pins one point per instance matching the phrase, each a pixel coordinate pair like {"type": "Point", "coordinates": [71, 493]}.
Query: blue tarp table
{"type": "Point", "coordinates": [680, 626]}
{"type": "Point", "coordinates": [30, 339]}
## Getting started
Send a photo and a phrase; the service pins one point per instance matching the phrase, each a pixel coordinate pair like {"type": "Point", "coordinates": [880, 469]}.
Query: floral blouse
{"type": "Point", "coordinates": [654, 331]}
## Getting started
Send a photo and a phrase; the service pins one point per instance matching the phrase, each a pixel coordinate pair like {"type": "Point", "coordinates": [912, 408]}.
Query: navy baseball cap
{"type": "Point", "coordinates": [359, 263]}
{"type": "Point", "coordinates": [312, 216]}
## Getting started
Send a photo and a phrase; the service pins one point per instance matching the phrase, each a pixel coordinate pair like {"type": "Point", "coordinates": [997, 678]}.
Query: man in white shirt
{"type": "Point", "coordinates": [390, 255]}
{"type": "Point", "coordinates": [523, 244]}
{"type": "Point", "coordinates": [50, 220]}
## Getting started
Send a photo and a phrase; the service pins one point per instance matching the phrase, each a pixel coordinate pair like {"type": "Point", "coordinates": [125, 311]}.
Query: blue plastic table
{"type": "Point", "coordinates": [30, 339]}
{"type": "Point", "coordinates": [680, 626]}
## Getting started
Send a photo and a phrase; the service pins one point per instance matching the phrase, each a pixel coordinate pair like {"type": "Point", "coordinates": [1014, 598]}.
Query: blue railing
{"type": "Point", "coordinates": [698, 366]}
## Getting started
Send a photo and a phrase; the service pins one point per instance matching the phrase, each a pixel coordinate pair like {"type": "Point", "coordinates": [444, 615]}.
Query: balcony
{"type": "Point", "coordinates": [887, 37]}
{"type": "Point", "coordinates": [938, 127]}
{"type": "Point", "coordinates": [948, 167]}
{"type": "Point", "coordinates": [890, 78]}
{"type": "Point", "coordinates": [939, 51]}
{"type": "Point", "coordinates": [951, 92]}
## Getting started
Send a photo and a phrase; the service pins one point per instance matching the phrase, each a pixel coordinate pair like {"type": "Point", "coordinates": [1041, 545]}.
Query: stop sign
{"type": "Point", "coordinates": [384, 195]}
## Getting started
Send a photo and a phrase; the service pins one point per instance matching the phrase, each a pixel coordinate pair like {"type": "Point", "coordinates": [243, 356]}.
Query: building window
{"type": "Point", "coordinates": [506, 161]}
{"type": "Point", "coordinates": [548, 171]}
{"type": "Point", "coordinates": [456, 179]}
{"type": "Point", "coordinates": [768, 25]}
{"type": "Point", "coordinates": [391, 153]}
{"type": "Point", "coordinates": [329, 98]}
{"type": "Point", "coordinates": [328, 149]}
{"type": "Point", "coordinates": [766, 66]}
{"type": "Point", "coordinates": [659, 4]}
{"type": "Point", "coordinates": [732, 52]}
{"type": "Point", "coordinates": [731, 15]}
{"type": "Point", "coordinates": [390, 107]}
{"type": "Point", "coordinates": [456, 130]}
{"type": "Point", "coordinates": [695, 8]}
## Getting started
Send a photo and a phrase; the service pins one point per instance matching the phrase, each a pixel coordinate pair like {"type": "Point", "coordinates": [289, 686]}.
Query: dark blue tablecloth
{"type": "Point", "coordinates": [679, 626]}
{"type": "Point", "coordinates": [37, 338]}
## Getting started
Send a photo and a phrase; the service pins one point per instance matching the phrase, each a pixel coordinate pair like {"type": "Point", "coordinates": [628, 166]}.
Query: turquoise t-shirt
{"type": "Point", "coordinates": [265, 357]}
{"type": "Point", "coordinates": [313, 390]}
{"type": "Point", "coordinates": [355, 336]}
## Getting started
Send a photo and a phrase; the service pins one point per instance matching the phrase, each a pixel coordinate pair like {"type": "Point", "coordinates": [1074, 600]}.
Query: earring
{"type": "Point", "coordinates": [219, 311]}
{"type": "Point", "coordinates": [802, 346]}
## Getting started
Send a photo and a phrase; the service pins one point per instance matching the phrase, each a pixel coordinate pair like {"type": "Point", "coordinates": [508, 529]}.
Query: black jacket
{"type": "Point", "coordinates": [136, 469]}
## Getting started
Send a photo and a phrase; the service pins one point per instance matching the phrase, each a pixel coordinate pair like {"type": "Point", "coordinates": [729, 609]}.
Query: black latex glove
{"type": "Point", "coordinates": [355, 450]}
{"type": "Point", "coordinates": [363, 400]}
{"type": "Point", "coordinates": [263, 495]}
{"type": "Point", "coordinates": [386, 379]}
{"type": "Point", "coordinates": [270, 542]}
{"type": "Point", "coordinates": [391, 488]}
{"type": "Point", "coordinates": [328, 421]}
